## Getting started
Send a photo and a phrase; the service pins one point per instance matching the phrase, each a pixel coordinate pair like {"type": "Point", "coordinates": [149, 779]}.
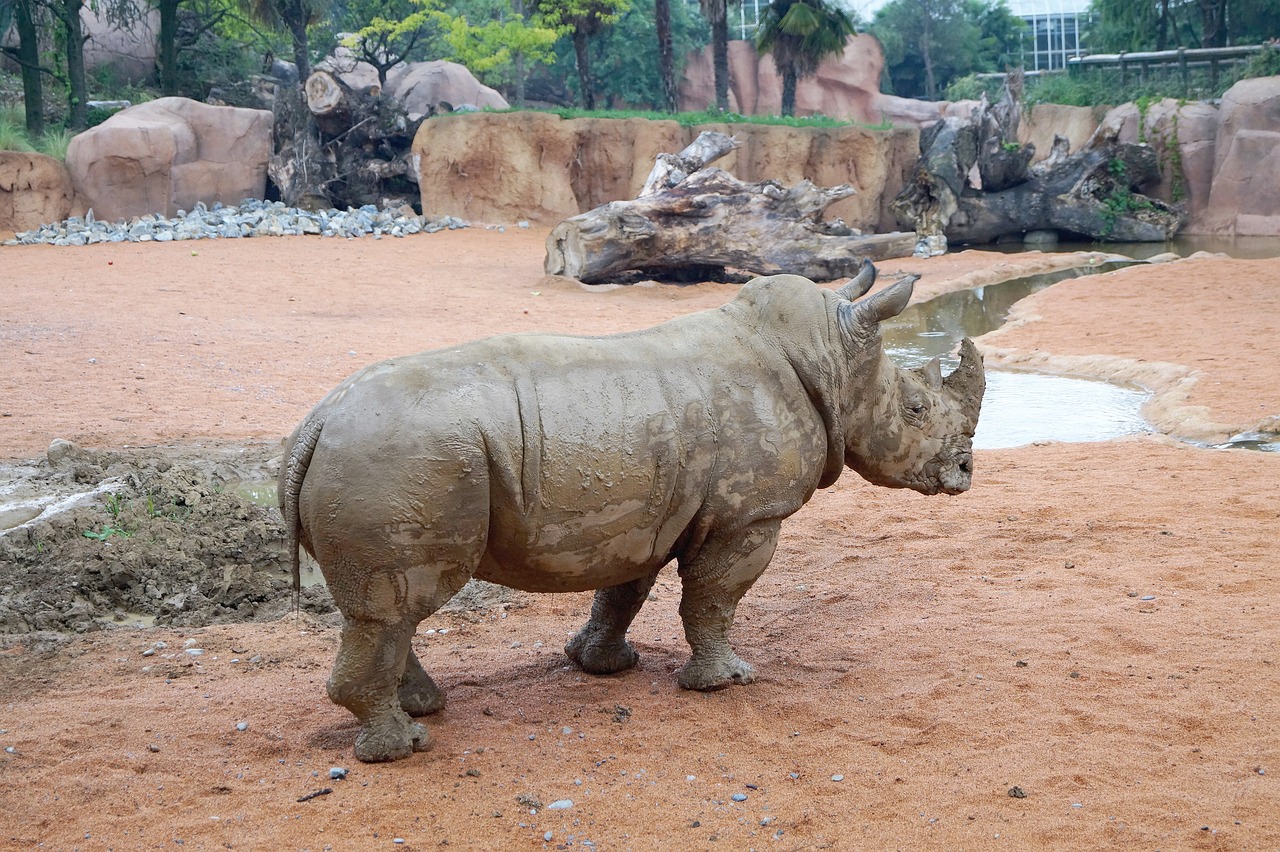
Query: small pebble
{"type": "Point", "coordinates": [337, 773]}
{"type": "Point", "coordinates": [837, 777]}
{"type": "Point", "coordinates": [242, 726]}
{"type": "Point", "coordinates": [739, 797]}
{"type": "Point", "coordinates": [560, 805]}
{"type": "Point", "coordinates": [547, 837]}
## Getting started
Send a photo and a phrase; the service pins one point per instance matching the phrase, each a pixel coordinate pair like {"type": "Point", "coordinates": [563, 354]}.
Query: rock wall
{"type": "Point", "coordinates": [1225, 165]}
{"type": "Point", "coordinates": [542, 168]}
{"type": "Point", "coordinates": [35, 190]}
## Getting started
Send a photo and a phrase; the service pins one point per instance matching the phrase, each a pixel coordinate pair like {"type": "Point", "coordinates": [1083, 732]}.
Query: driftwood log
{"type": "Point", "coordinates": [1095, 193]}
{"type": "Point", "coordinates": [693, 219]}
{"type": "Point", "coordinates": [341, 147]}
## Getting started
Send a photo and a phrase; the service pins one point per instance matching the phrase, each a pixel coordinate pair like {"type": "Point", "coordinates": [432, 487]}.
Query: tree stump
{"type": "Point", "coordinates": [341, 147]}
{"type": "Point", "coordinates": [690, 216]}
{"type": "Point", "coordinates": [1094, 193]}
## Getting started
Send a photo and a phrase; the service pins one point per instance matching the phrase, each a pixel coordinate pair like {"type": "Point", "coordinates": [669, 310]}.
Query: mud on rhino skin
{"type": "Point", "coordinates": [553, 463]}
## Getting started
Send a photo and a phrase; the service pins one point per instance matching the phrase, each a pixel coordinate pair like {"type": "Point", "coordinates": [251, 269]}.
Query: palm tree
{"type": "Point", "coordinates": [717, 14]}
{"type": "Point", "coordinates": [800, 34]}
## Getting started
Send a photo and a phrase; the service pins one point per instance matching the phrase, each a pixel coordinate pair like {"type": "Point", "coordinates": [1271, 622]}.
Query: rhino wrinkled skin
{"type": "Point", "coordinates": [555, 464]}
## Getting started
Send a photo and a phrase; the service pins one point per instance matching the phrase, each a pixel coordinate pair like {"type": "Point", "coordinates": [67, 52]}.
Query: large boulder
{"type": "Point", "coordinates": [35, 190]}
{"type": "Point", "coordinates": [540, 167]}
{"type": "Point", "coordinates": [844, 86]}
{"type": "Point", "coordinates": [168, 154]}
{"type": "Point", "coordinates": [423, 86]}
{"type": "Point", "coordinates": [1183, 136]}
{"type": "Point", "coordinates": [1245, 196]}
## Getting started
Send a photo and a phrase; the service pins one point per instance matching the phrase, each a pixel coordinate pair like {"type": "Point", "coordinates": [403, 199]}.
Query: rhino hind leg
{"type": "Point", "coordinates": [365, 678]}
{"type": "Point", "coordinates": [714, 581]}
{"type": "Point", "coordinates": [601, 646]}
{"type": "Point", "coordinates": [418, 693]}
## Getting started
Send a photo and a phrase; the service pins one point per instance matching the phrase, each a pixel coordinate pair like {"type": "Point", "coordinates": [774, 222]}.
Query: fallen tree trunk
{"type": "Point", "coordinates": [692, 217]}
{"type": "Point", "coordinates": [1094, 193]}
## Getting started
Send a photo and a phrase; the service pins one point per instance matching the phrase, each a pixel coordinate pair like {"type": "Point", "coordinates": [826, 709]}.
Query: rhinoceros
{"type": "Point", "coordinates": [551, 463]}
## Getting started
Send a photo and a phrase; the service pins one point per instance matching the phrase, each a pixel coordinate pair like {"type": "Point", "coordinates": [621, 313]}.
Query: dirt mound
{"type": "Point", "coordinates": [146, 536]}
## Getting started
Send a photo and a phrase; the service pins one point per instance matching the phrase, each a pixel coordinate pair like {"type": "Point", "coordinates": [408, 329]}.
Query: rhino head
{"type": "Point", "coordinates": [906, 428]}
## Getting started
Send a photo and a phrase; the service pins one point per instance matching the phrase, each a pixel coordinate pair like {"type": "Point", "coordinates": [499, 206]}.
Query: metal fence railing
{"type": "Point", "coordinates": [1195, 73]}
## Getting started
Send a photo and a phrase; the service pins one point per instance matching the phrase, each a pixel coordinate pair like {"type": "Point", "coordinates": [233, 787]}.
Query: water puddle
{"type": "Point", "coordinates": [1020, 407]}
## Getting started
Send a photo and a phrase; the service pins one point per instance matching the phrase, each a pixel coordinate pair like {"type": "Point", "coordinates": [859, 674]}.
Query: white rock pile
{"type": "Point", "coordinates": [251, 218]}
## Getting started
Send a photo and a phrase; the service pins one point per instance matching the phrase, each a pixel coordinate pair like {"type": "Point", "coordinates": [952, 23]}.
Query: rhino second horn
{"type": "Point", "coordinates": [932, 373]}
{"type": "Point", "coordinates": [860, 283]}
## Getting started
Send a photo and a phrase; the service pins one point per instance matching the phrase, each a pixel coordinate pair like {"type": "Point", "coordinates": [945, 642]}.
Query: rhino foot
{"type": "Point", "coordinates": [393, 736]}
{"type": "Point", "coordinates": [597, 654]}
{"type": "Point", "coordinates": [715, 673]}
{"type": "Point", "coordinates": [418, 693]}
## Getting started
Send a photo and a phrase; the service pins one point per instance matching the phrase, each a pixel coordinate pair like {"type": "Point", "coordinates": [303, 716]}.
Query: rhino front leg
{"type": "Point", "coordinates": [601, 646]}
{"type": "Point", "coordinates": [714, 581]}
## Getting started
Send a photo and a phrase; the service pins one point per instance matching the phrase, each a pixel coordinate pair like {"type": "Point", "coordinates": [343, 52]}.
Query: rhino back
{"type": "Point", "coordinates": [600, 458]}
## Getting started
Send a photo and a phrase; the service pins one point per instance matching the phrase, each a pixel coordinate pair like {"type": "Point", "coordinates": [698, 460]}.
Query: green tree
{"type": "Point", "coordinates": [389, 32]}
{"type": "Point", "coordinates": [295, 16]}
{"type": "Point", "coordinates": [497, 51]}
{"type": "Point", "coordinates": [1128, 25]}
{"type": "Point", "coordinates": [24, 15]}
{"type": "Point", "coordinates": [627, 63]}
{"type": "Point", "coordinates": [582, 20]}
{"type": "Point", "coordinates": [666, 58]}
{"type": "Point", "coordinates": [799, 34]}
{"type": "Point", "coordinates": [717, 15]}
{"type": "Point", "coordinates": [928, 43]}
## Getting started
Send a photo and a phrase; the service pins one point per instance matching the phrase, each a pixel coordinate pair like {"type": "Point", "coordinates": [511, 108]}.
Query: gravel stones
{"type": "Point", "coordinates": [251, 218]}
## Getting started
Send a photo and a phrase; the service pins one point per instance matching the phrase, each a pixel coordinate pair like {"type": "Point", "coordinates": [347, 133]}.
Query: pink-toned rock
{"type": "Point", "coordinates": [168, 154]}
{"type": "Point", "coordinates": [1182, 135]}
{"type": "Point", "coordinates": [1245, 196]}
{"type": "Point", "coordinates": [843, 87]}
{"type": "Point", "coordinates": [423, 85]}
{"type": "Point", "coordinates": [35, 190]}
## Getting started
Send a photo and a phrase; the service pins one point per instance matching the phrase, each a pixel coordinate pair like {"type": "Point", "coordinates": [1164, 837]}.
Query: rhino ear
{"type": "Point", "coordinates": [860, 283]}
{"type": "Point", "coordinates": [932, 373]}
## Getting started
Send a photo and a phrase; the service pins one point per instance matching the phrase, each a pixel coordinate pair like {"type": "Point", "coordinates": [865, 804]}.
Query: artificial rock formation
{"type": "Point", "coordinates": [167, 154]}
{"type": "Point", "coordinates": [34, 190]}
{"type": "Point", "coordinates": [1094, 192]}
{"type": "Point", "coordinates": [539, 167]}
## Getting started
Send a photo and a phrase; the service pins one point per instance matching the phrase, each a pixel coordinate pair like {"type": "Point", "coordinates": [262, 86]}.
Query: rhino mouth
{"type": "Point", "coordinates": [950, 474]}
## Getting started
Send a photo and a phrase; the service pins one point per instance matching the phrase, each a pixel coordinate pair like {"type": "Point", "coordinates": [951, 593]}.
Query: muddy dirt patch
{"type": "Point", "coordinates": [156, 536]}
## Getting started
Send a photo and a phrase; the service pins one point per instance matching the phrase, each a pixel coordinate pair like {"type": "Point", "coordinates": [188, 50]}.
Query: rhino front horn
{"type": "Point", "coordinates": [968, 382]}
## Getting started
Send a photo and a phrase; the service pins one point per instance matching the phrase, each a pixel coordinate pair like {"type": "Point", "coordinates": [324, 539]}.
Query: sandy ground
{"type": "Point", "coordinates": [1093, 627]}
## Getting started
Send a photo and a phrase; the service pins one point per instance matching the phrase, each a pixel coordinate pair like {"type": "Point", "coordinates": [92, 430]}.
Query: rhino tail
{"type": "Point", "coordinates": [291, 479]}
